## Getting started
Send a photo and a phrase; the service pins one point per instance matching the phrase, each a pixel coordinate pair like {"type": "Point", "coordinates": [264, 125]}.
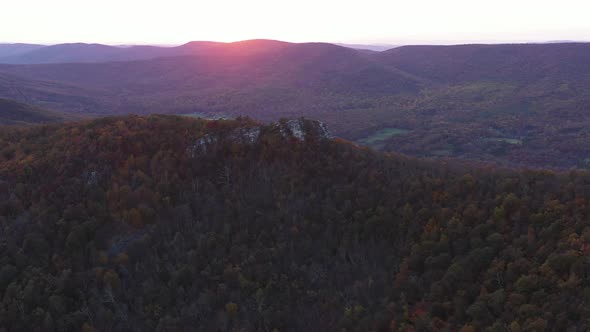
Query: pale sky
{"type": "Point", "coordinates": [360, 21]}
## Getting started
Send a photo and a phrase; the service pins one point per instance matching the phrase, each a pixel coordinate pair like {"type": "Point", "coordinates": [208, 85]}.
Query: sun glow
{"type": "Point", "coordinates": [179, 21]}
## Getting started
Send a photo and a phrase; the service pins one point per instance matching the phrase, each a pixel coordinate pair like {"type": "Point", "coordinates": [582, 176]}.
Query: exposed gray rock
{"type": "Point", "coordinates": [202, 145]}
{"type": "Point", "coordinates": [245, 135]}
{"type": "Point", "coordinates": [290, 129]}
{"type": "Point", "coordinates": [92, 178]}
{"type": "Point", "coordinates": [323, 131]}
{"type": "Point", "coordinates": [296, 128]}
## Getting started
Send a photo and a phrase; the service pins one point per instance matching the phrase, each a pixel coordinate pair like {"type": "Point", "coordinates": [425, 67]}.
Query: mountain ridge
{"type": "Point", "coordinates": [97, 53]}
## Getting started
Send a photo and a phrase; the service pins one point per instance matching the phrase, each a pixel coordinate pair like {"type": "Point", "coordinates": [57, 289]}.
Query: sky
{"type": "Point", "coordinates": [362, 21]}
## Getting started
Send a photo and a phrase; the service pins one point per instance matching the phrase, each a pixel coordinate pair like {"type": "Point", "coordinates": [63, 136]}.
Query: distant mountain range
{"type": "Point", "coordinates": [262, 78]}
{"type": "Point", "coordinates": [80, 52]}
{"type": "Point", "coordinates": [21, 53]}
{"type": "Point", "coordinates": [513, 104]}
{"type": "Point", "coordinates": [14, 50]}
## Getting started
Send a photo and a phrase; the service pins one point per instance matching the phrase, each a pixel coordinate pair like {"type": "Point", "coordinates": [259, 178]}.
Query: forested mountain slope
{"type": "Point", "coordinates": [13, 49]}
{"type": "Point", "coordinates": [259, 78]}
{"type": "Point", "coordinates": [89, 53]}
{"type": "Point", "coordinates": [55, 95]}
{"type": "Point", "coordinates": [15, 113]}
{"type": "Point", "coordinates": [170, 224]}
{"type": "Point", "coordinates": [517, 62]}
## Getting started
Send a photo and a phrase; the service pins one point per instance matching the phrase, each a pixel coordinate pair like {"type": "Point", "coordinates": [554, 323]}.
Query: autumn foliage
{"type": "Point", "coordinates": [113, 225]}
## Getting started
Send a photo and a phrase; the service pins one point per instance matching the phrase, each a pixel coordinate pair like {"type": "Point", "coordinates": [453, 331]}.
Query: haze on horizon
{"type": "Point", "coordinates": [369, 22]}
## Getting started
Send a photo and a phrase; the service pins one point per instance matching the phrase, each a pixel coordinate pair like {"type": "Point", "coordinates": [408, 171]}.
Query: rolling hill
{"type": "Point", "coordinates": [89, 53]}
{"type": "Point", "coordinates": [85, 53]}
{"type": "Point", "coordinates": [163, 223]}
{"type": "Point", "coordinates": [15, 113]}
{"type": "Point", "coordinates": [10, 50]}
{"type": "Point", "coordinates": [266, 79]}
{"type": "Point", "coordinates": [55, 95]}
{"type": "Point", "coordinates": [521, 63]}
{"type": "Point", "coordinates": [513, 105]}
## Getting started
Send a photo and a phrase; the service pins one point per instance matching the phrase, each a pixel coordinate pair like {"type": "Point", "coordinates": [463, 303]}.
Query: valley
{"type": "Point", "coordinates": [453, 100]}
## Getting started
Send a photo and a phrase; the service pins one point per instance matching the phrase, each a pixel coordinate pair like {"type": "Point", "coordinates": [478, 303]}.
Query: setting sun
{"type": "Point", "coordinates": [372, 21]}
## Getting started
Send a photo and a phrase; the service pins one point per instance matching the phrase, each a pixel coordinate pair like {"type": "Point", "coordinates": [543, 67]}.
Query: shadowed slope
{"type": "Point", "coordinates": [14, 113]}
{"type": "Point", "coordinates": [9, 50]}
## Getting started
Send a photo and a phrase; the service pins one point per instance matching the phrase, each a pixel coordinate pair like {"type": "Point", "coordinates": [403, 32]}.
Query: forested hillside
{"type": "Point", "coordinates": [15, 113]}
{"type": "Point", "coordinates": [173, 224]}
{"type": "Point", "coordinates": [89, 53]}
{"type": "Point", "coordinates": [522, 105]}
{"type": "Point", "coordinates": [8, 50]}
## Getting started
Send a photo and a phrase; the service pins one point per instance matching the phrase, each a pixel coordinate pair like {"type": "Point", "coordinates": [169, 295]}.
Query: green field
{"type": "Point", "coordinates": [382, 135]}
{"type": "Point", "coordinates": [209, 116]}
{"type": "Point", "coordinates": [513, 141]}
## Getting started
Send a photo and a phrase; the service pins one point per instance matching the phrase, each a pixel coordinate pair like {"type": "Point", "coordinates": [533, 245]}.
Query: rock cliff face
{"type": "Point", "coordinates": [202, 145]}
{"type": "Point", "coordinates": [295, 129]}
{"type": "Point", "coordinates": [301, 128]}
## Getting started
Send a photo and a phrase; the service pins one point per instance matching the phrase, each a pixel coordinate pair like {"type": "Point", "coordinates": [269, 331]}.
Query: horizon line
{"type": "Point", "coordinates": [353, 43]}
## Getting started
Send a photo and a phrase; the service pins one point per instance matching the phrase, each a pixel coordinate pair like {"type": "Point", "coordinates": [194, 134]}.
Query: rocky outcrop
{"type": "Point", "coordinates": [201, 146]}
{"type": "Point", "coordinates": [245, 135]}
{"type": "Point", "coordinates": [323, 131]}
{"type": "Point", "coordinates": [292, 128]}
{"type": "Point", "coordinates": [300, 129]}
{"type": "Point", "coordinates": [92, 178]}
{"type": "Point", "coordinates": [296, 129]}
